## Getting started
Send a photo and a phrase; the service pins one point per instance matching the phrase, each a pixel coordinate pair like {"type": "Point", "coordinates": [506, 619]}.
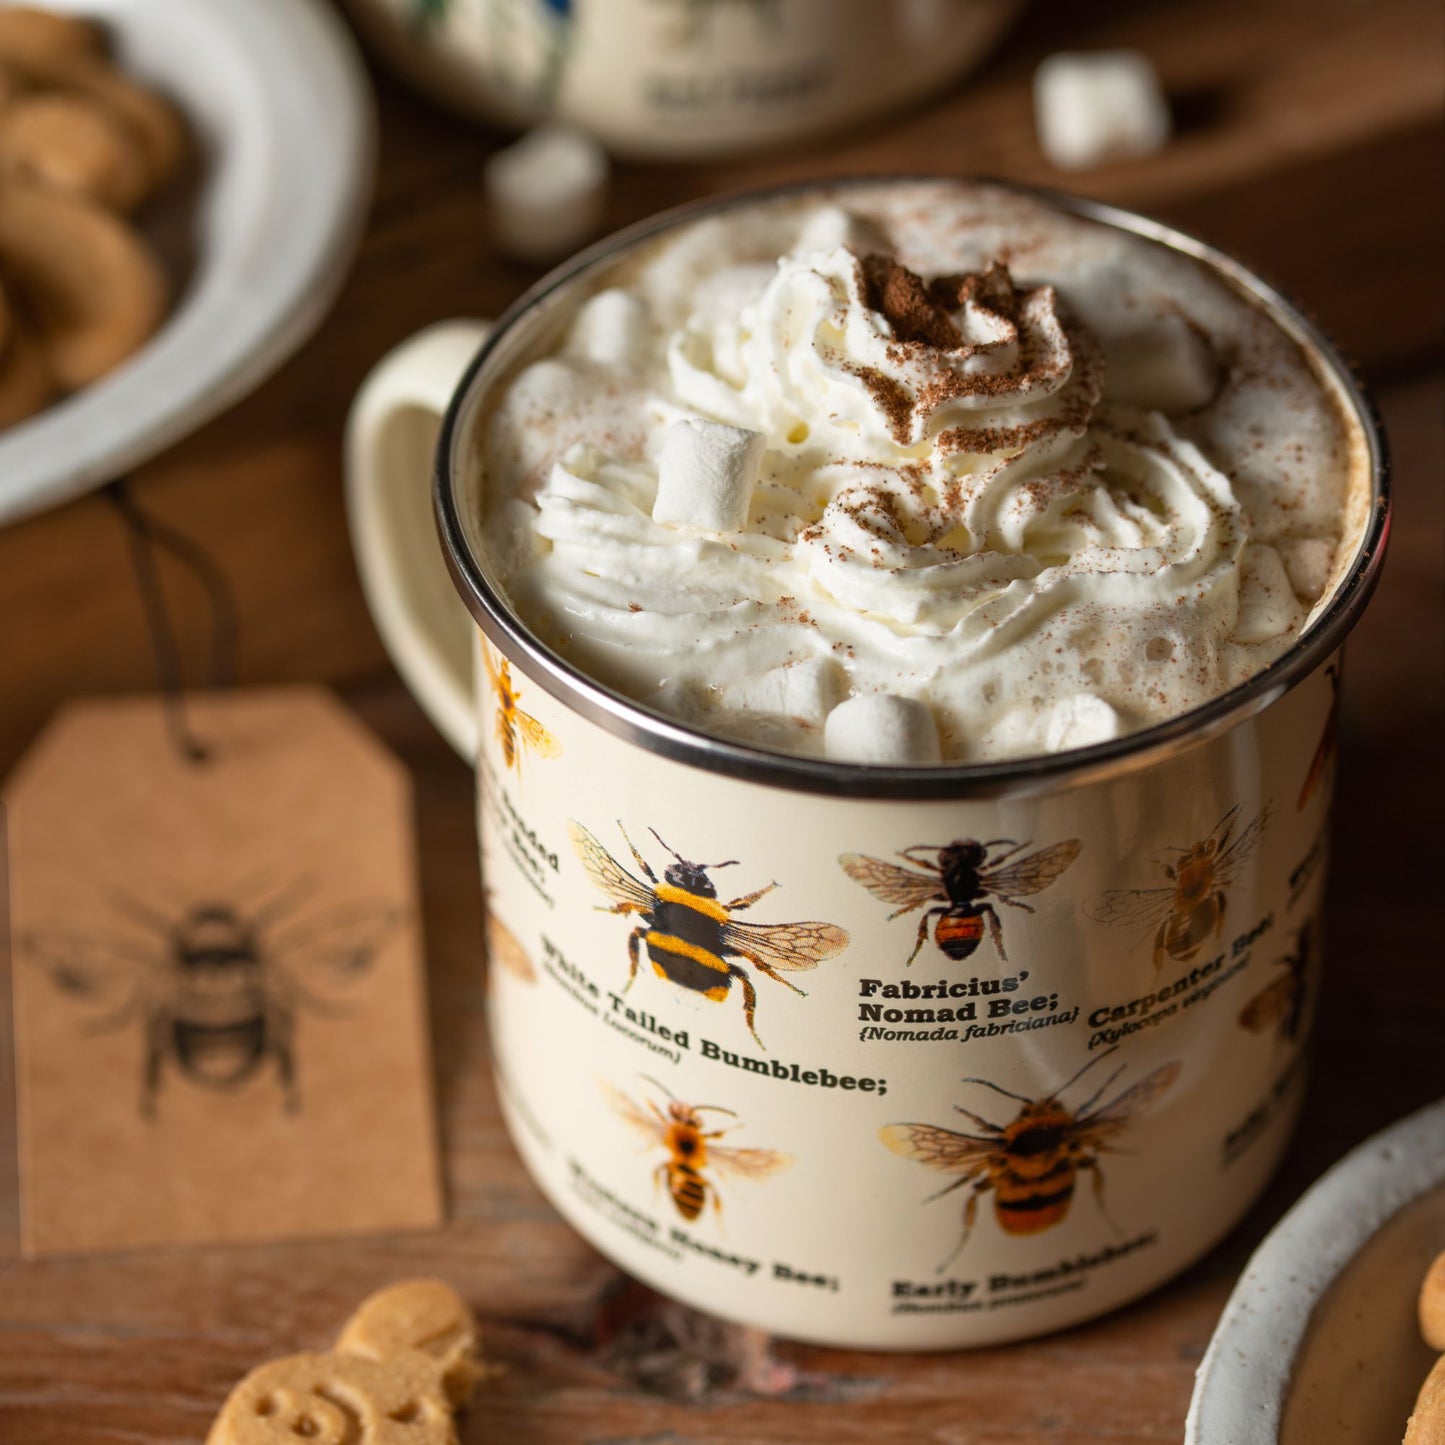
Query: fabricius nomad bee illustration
{"type": "Point", "coordinates": [692, 1149]}
{"type": "Point", "coordinates": [517, 731]}
{"type": "Point", "coordinates": [215, 990]}
{"type": "Point", "coordinates": [1280, 1004]}
{"type": "Point", "coordinates": [1032, 1163]}
{"type": "Point", "coordinates": [1329, 742]}
{"type": "Point", "coordinates": [1190, 909]}
{"type": "Point", "coordinates": [959, 879]}
{"type": "Point", "coordinates": [690, 936]}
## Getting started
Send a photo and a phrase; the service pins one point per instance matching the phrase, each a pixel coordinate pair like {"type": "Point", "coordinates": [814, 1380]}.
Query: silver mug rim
{"type": "Point", "coordinates": [638, 724]}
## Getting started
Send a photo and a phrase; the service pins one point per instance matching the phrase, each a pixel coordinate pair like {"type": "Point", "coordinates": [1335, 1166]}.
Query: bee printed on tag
{"type": "Point", "coordinates": [692, 1149]}
{"type": "Point", "coordinates": [1189, 910]}
{"type": "Point", "coordinates": [958, 879]}
{"type": "Point", "coordinates": [1280, 1004]}
{"type": "Point", "coordinates": [1031, 1164]}
{"type": "Point", "coordinates": [1329, 745]}
{"type": "Point", "coordinates": [216, 991]}
{"type": "Point", "coordinates": [690, 936]}
{"type": "Point", "coordinates": [517, 732]}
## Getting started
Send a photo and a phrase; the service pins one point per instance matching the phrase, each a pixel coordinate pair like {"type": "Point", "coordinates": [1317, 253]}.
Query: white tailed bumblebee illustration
{"type": "Point", "coordinates": [1032, 1163]}
{"type": "Point", "coordinates": [1329, 744]}
{"type": "Point", "coordinates": [960, 878]}
{"type": "Point", "coordinates": [216, 991]}
{"type": "Point", "coordinates": [692, 1149]}
{"type": "Point", "coordinates": [517, 731]}
{"type": "Point", "coordinates": [690, 935]}
{"type": "Point", "coordinates": [1190, 909]}
{"type": "Point", "coordinates": [1280, 1004]}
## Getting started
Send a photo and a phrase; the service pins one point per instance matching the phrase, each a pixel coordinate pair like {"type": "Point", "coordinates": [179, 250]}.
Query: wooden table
{"type": "Point", "coordinates": [1309, 145]}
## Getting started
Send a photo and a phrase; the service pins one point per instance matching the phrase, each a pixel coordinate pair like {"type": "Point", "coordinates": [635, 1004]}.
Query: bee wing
{"type": "Point", "coordinates": [940, 1149]}
{"type": "Point", "coordinates": [1031, 874]}
{"type": "Point", "coordinates": [629, 1110]}
{"type": "Point", "coordinates": [492, 674]}
{"type": "Point", "coordinates": [100, 972]}
{"type": "Point", "coordinates": [607, 873]}
{"type": "Point", "coordinates": [336, 944]}
{"type": "Point", "coordinates": [792, 947]}
{"type": "Point", "coordinates": [747, 1163]}
{"type": "Point", "coordinates": [1141, 908]}
{"type": "Point", "coordinates": [1111, 1118]}
{"type": "Point", "coordinates": [1238, 852]}
{"type": "Point", "coordinates": [536, 736]}
{"type": "Point", "coordinates": [1269, 1005]}
{"type": "Point", "coordinates": [905, 888]}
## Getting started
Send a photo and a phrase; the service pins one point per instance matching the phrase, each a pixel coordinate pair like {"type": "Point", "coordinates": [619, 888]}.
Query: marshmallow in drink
{"type": "Point", "coordinates": [1100, 106]}
{"type": "Point", "coordinates": [881, 727]}
{"type": "Point", "coordinates": [706, 475]}
{"type": "Point", "coordinates": [1169, 366]}
{"type": "Point", "coordinates": [545, 194]}
{"type": "Point", "coordinates": [805, 690]}
{"type": "Point", "coordinates": [611, 329]}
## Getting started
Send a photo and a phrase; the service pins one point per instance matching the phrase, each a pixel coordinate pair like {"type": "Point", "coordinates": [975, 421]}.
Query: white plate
{"type": "Point", "coordinates": [281, 113]}
{"type": "Point", "coordinates": [1319, 1341]}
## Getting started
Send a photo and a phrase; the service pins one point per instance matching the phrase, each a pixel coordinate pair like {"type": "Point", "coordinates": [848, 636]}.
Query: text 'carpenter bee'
{"type": "Point", "coordinates": [215, 991]}
{"type": "Point", "coordinates": [691, 1149]}
{"type": "Point", "coordinates": [1280, 1004]}
{"type": "Point", "coordinates": [690, 936]}
{"type": "Point", "coordinates": [1185, 913]}
{"type": "Point", "coordinates": [1329, 744]}
{"type": "Point", "coordinates": [961, 877]}
{"type": "Point", "coordinates": [517, 731]}
{"type": "Point", "coordinates": [1032, 1163]}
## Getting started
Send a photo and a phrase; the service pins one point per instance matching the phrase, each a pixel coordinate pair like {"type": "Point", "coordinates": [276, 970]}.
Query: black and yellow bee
{"type": "Point", "coordinates": [517, 731]}
{"type": "Point", "coordinates": [1032, 1163]}
{"type": "Point", "coordinates": [1280, 1004]}
{"type": "Point", "coordinates": [690, 935]}
{"type": "Point", "coordinates": [692, 1149]}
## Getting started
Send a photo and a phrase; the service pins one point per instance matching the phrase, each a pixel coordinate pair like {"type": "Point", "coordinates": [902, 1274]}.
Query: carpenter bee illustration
{"type": "Point", "coordinates": [517, 731]}
{"type": "Point", "coordinates": [691, 1149]}
{"type": "Point", "coordinates": [1032, 1163]}
{"type": "Point", "coordinates": [1190, 909]}
{"type": "Point", "coordinates": [1280, 1004]}
{"type": "Point", "coordinates": [960, 879]}
{"type": "Point", "coordinates": [215, 991]}
{"type": "Point", "coordinates": [690, 936]}
{"type": "Point", "coordinates": [1329, 744]}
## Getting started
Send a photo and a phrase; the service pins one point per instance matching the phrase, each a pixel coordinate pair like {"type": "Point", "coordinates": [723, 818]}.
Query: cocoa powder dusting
{"type": "Point", "coordinates": [900, 296]}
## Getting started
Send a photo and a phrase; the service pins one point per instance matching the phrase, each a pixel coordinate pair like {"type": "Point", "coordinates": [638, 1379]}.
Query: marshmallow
{"type": "Point", "coordinates": [546, 193]}
{"type": "Point", "coordinates": [1099, 106]}
{"type": "Point", "coordinates": [706, 475]}
{"type": "Point", "coordinates": [1308, 562]}
{"type": "Point", "coordinates": [880, 727]}
{"type": "Point", "coordinates": [1080, 721]}
{"type": "Point", "coordinates": [806, 690]}
{"type": "Point", "coordinates": [1267, 604]}
{"type": "Point", "coordinates": [831, 226]}
{"type": "Point", "coordinates": [1168, 366]}
{"type": "Point", "coordinates": [611, 329]}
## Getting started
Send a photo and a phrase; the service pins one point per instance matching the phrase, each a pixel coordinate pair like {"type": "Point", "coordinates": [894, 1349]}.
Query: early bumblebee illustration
{"type": "Point", "coordinates": [960, 878]}
{"type": "Point", "coordinates": [1280, 1004]}
{"type": "Point", "coordinates": [517, 731]}
{"type": "Point", "coordinates": [216, 991]}
{"type": "Point", "coordinates": [1190, 910]}
{"type": "Point", "coordinates": [1329, 743]}
{"type": "Point", "coordinates": [690, 936]}
{"type": "Point", "coordinates": [504, 950]}
{"type": "Point", "coordinates": [691, 1149]}
{"type": "Point", "coordinates": [1031, 1164]}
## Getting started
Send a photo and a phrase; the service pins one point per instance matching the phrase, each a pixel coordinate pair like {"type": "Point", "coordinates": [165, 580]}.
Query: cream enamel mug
{"type": "Point", "coordinates": [840, 1090]}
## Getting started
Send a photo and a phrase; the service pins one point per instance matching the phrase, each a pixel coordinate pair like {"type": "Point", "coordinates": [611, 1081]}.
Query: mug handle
{"type": "Point", "coordinates": [391, 436]}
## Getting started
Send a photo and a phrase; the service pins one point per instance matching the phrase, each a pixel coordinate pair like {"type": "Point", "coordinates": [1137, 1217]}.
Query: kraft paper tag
{"type": "Point", "coordinates": [220, 1017]}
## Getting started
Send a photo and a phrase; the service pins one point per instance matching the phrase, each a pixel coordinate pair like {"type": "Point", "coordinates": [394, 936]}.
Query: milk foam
{"type": "Point", "coordinates": [1058, 484]}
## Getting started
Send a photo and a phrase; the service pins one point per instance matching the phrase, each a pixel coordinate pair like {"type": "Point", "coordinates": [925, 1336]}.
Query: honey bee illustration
{"type": "Point", "coordinates": [504, 949]}
{"type": "Point", "coordinates": [1031, 1164]}
{"type": "Point", "coordinates": [216, 992]}
{"type": "Point", "coordinates": [690, 936]}
{"type": "Point", "coordinates": [1329, 744]}
{"type": "Point", "coordinates": [1280, 1004]}
{"type": "Point", "coordinates": [960, 878]}
{"type": "Point", "coordinates": [517, 731]}
{"type": "Point", "coordinates": [691, 1149]}
{"type": "Point", "coordinates": [1186, 913]}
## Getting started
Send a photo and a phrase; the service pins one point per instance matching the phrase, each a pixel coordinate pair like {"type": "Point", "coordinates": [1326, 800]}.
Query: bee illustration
{"type": "Point", "coordinates": [517, 731]}
{"type": "Point", "coordinates": [960, 878]}
{"type": "Point", "coordinates": [1032, 1163]}
{"type": "Point", "coordinates": [1191, 908]}
{"type": "Point", "coordinates": [691, 1149]}
{"type": "Point", "coordinates": [690, 936]}
{"type": "Point", "coordinates": [505, 950]}
{"type": "Point", "coordinates": [215, 992]}
{"type": "Point", "coordinates": [1280, 1004]}
{"type": "Point", "coordinates": [1329, 744]}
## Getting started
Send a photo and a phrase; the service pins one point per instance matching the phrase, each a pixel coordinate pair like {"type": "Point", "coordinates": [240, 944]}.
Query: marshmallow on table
{"type": "Point", "coordinates": [1098, 106]}
{"type": "Point", "coordinates": [879, 727]}
{"type": "Point", "coordinates": [706, 475]}
{"type": "Point", "coordinates": [545, 194]}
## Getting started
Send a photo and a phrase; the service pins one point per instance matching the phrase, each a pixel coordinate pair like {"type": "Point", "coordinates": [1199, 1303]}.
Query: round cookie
{"type": "Point", "coordinates": [25, 381]}
{"type": "Point", "coordinates": [29, 32]}
{"type": "Point", "coordinates": [69, 142]}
